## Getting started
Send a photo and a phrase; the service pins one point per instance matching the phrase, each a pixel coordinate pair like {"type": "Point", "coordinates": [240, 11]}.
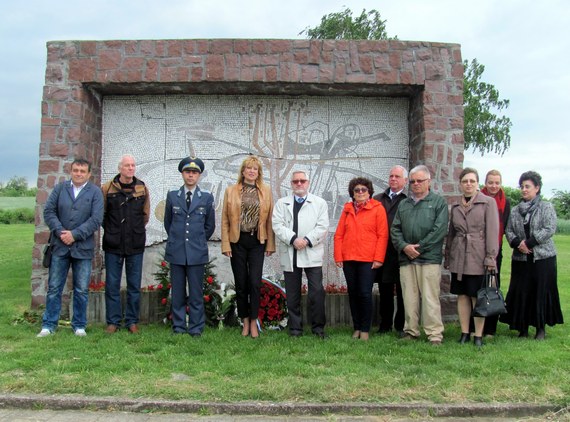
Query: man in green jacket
{"type": "Point", "coordinates": [418, 232]}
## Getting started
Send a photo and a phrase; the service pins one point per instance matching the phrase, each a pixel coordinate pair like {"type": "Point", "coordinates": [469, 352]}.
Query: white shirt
{"type": "Point", "coordinates": [76, 189]}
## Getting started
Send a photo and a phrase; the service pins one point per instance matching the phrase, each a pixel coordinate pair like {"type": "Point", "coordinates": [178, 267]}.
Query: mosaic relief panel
{"type": "Point", "coordinates": [333, 138]}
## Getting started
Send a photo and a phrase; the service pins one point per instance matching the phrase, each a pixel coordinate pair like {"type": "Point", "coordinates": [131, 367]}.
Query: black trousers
{"type": "Point", "coordinates": [387, 317]}
{"type": "Point", "coordinates": [315, 302]}
{"type": "Point", "coordinates": [359, 280]}
{"type": "Point", "coordinates": [247, 265]}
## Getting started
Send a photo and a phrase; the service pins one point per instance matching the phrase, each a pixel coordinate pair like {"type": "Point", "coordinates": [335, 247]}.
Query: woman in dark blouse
{"type": "Point", "coordinates": [533, 298]}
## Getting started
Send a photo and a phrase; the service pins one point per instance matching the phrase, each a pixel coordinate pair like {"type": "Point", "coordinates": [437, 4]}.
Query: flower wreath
{"type": "Point", "coordinates": [272, 305]}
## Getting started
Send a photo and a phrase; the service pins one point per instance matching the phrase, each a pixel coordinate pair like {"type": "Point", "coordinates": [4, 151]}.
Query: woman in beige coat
{"type": "Point", "coordinates": [471, 249]}
{"type": "Point", "coordinates": [247, 236]}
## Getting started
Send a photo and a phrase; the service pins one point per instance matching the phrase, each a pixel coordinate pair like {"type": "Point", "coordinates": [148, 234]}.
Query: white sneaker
{"type": "Point", "coordinates": [80, 332]}
{"type": "Point", "coordinates": [44, 333]}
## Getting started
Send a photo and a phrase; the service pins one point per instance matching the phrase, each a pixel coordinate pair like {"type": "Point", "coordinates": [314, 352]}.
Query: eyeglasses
{"type": "Point", "coordinates": [299, 181]}
{"type": "Point", "coordinates": [360, 190]}
{"type": "Point", "coordinates": [418, 181]}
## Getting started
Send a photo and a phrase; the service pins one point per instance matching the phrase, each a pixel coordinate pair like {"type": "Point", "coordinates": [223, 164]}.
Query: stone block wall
{"type": "Point", "coordinates": [80, 74]}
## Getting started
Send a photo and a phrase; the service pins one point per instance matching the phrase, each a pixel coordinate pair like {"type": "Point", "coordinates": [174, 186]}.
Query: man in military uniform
{"type": "Point", "coordinates": [189, 221]}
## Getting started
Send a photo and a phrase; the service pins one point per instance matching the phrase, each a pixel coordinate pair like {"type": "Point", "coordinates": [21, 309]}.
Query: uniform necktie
{"type": "Point", "coordinates": [300, 200]}
{"type": "Point", "coordinates": [188, 199]}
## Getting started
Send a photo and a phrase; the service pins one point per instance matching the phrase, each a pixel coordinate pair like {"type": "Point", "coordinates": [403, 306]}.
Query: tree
{"type": "Point", "coordinates": [484, 130]}
{"type": "Point", "coordinates": [561, 202]}
{"type": "Point", "coordinates": [342, 26]}
{"type": "Point", "coordinates": [17, 186]}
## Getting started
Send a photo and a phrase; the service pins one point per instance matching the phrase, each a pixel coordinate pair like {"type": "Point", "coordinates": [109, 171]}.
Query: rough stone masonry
{"type": "Point", "coordinates": [426, 78]}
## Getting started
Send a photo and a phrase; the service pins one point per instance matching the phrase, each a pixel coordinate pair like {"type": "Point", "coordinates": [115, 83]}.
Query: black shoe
{"type": "Point", "coordinates": [465, 338]}
{"type": "Point", "coordinates": [478, 341]}
{"type": "Point", "coordinates": [321, 335]}
{"type": "Point", "coordinates": [540, 334]}
{"type": "Point", "coordinates": [295, 333]}
{"type": "Point", "coordinates": [384, 330]}
{"type": "Point", "coordinates": [523, 333]}
{"type": "Point", "coordinates": [401, 333]}
{"type": "Point", "coordinates": [196, 335]}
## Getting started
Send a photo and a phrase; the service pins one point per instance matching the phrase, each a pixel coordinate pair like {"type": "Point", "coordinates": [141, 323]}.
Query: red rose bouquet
{"type": "Point", "coordinates": [272, 305]}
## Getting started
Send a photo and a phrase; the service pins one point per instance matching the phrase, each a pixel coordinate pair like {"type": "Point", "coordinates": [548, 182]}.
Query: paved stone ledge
{"type": "Point", "coordinates": [72, 402]}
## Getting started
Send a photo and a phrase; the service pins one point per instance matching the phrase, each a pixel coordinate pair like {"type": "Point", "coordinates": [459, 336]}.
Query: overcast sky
{"type": "Point", "coordinates": [524, 45]}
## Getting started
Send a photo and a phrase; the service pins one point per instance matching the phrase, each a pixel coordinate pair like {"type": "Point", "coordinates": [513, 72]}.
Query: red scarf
{"type": "Point", "coordinates": [359, 206]}
{"type": "Point", "coordinates": [501, 201]}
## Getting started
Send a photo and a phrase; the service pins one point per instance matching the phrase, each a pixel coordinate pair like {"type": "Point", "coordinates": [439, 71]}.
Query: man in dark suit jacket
{"type": "Point", "coordinates": [388, 276]}
{"type": "Point", "coordinates": [73, 213]}
{"type": "Point", "coordinates": [189, 221]}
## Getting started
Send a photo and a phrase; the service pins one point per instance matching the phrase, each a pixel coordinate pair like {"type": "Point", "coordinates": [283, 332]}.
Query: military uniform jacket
{"type": "Point", "coordinates": [188, 230]}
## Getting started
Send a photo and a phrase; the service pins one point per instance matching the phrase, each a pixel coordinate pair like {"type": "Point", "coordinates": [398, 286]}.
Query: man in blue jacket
{"type": "Point", "coordinates": [73, 213]}
{"type": "Point", "coordinates": [189, 221]}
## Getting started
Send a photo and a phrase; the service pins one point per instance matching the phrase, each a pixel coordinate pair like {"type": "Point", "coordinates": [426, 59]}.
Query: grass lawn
{"type": "Point", "coordinates": [223, 366]}
{"type": "Point", "coordinates": [12, 203]}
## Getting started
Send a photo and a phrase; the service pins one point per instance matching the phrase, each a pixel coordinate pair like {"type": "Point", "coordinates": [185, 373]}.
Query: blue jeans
{"type": "Point", "coordinates": [58, 270]}
{"type": "Point", "coordinates": [114, 271]}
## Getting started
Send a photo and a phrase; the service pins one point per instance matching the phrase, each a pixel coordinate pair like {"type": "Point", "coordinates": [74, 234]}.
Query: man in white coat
{"type": "Point", "coordinates": [301, 222]}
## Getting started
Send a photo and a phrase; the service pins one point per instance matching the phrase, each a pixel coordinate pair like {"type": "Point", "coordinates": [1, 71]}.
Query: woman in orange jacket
{"type": "Point", "coordinates": [360, 245]}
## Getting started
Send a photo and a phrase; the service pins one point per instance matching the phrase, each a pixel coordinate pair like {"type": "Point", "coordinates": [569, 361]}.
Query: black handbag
{"type": "Point", "coordinates": [490, 300]}
{"type": "Point", "coordinates": [48, 250]}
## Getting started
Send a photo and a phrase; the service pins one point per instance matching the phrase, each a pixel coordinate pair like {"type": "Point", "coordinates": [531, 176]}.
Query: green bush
{"type": "Point", "coordinates": [514, 195]}
{"type": "Point", "coordinates": [563, 227]}
{"type": "Point", "coordinates": [17, 216]}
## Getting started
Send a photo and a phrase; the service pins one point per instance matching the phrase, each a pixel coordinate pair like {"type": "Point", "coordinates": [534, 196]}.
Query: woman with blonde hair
{"type": "Point", "coordinates": [247, 236]}
{"type": "Point", "coordinates": [493, 188]}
